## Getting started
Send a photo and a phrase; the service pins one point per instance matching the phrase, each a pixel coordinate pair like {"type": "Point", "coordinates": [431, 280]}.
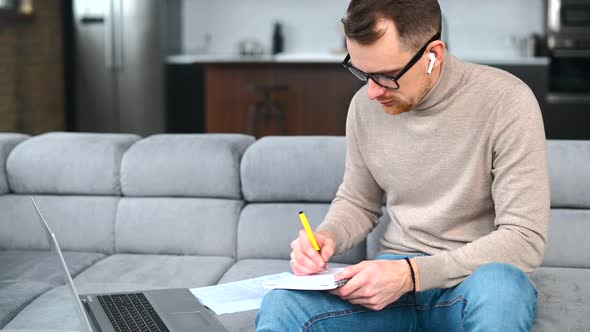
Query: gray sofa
{"type": "Point", "coordinates": [195, 210]}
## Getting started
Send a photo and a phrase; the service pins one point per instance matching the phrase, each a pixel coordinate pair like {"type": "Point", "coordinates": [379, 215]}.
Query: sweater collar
{"type": "Point", "coordinates": [452, 72]}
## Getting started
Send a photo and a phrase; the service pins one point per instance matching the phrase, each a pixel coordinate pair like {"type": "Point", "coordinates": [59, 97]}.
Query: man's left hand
{"type": "Point", "coordinates": [375, 284]}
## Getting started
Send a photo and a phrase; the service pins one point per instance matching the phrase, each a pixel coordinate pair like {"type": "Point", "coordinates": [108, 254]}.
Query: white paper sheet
{"type": "Point", "coordinates": [235, 296]}
{"type": "Point", "coordinates": [320, 281]}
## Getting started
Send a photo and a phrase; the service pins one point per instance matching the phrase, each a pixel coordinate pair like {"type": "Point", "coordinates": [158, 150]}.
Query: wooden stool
{"type": "Point", "coordinates": [267, 109]}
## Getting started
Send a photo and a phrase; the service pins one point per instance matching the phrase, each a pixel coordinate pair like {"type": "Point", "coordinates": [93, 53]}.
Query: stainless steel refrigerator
{"type": "Point", "coordinates": [119, 54]}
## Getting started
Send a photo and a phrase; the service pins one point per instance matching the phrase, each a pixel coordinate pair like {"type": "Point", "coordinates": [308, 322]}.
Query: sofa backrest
{"type": "Point", "coordinates": [7, 142]}
{"type": "Point", "coordinates": [184, 194]}
{"type": "Point", "coordinates": [75, 180]}
{"type": "Point", "coordinates": [280, 177]}
{"type": "Point", "coordinates": [569, 171]}
{"type": "Point", "coordinates": [165, 194]}
{"type": "Point", "coordinates": [181, 195]}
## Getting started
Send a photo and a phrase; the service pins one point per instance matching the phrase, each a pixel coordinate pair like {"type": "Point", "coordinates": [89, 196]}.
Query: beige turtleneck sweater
{"type": "Point", "coordinates": [465, 176]}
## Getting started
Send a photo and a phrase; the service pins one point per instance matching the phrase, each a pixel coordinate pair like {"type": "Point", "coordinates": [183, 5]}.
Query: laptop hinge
{"type": "Point", "coordinates": [91, 316]}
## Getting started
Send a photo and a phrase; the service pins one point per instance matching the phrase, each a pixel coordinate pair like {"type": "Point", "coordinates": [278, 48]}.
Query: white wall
{"type": "Point", "coordinates": [483, 28]}
{"type": "Point", "coordinates": [476, 28]}
{"type": "Point", "coordinates": [308, 25]}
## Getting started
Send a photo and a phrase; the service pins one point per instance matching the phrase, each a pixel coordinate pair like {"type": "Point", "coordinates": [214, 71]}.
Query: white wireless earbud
{"type": "Point", "coordinates": [431, 64]}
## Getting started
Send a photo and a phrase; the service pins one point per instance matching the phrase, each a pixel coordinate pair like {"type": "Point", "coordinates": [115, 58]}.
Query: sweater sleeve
{"type": "Point", "coordinates": [356, 209]}
{"type": "Point", "coordinates": [520, 191]}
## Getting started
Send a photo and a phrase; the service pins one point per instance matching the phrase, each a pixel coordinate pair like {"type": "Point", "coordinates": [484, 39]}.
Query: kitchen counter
{"type": "Point", "coordinates": [218, 58]}
{"type": "Point", "coordinates": [329, 58]}
{"type": "Point", "coordinates": [233, 58]}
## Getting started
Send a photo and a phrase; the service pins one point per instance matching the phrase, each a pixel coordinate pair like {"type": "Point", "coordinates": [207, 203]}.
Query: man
{"type": "Point", "coordinates": [459, 151]}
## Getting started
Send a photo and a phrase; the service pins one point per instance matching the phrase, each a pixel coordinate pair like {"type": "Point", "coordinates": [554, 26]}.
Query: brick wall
{"type": "Point", "coordinates": [31, 71]}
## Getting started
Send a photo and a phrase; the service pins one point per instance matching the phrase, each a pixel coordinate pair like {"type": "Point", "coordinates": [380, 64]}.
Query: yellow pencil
{"type": "Point", "coordinates": [309, 231]}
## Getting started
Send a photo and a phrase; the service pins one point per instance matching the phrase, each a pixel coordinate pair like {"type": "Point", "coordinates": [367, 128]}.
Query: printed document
{"type": "Point", "coordinates": [235, 296]}
{"type": "Point", "coordinates": [247, 294]}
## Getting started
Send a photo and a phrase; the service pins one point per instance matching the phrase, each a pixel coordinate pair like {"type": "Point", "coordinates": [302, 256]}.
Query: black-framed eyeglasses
{"type": "Point", "coordinates": [386, 81]}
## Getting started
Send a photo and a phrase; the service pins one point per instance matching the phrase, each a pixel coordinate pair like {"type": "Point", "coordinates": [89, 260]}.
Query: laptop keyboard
{"type": "Point", "coordinates": [131, 313]}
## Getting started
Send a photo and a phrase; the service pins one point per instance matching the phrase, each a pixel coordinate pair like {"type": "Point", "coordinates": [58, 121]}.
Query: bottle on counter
{"type": "Point", "coordinates": [278, 42]}
{"type": "Point", "coordinates": [26, 7]}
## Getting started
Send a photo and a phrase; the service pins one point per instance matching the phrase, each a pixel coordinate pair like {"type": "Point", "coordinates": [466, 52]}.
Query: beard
{"type": "Point", "coordinates": [400, 106]}
{"type": "Point", "coordinates": [405, 105]}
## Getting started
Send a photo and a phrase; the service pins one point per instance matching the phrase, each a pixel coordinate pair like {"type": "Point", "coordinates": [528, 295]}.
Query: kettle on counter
{"type": "Point", "coordinates": [250, 47]}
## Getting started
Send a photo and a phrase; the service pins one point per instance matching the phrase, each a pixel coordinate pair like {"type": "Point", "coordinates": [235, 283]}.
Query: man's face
{"type": "Point", "coordinates": [388, 56]}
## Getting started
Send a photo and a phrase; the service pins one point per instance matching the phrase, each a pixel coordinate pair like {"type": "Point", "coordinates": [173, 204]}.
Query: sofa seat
{"type": "Point", "coordinates": [26, 274]}
{"type": "Point", "coordinates": [564, 299]}
{"type": "Point", "coordinates": [54, 310]}
{"type": "Point", "coordinates": [43, 265]}
{"type": "Point", "coordinates": [251, 268]}
{"type": "Point", "coordinates": [157, 271]}
{"type": "Point", "coordinates": [15, 295]}
{"type": "Point", "coordinates": [122, 272]}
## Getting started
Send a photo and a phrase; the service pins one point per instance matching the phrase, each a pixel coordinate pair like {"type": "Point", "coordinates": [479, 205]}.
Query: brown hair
{"type": "Point", "coordinates": [415, 20]}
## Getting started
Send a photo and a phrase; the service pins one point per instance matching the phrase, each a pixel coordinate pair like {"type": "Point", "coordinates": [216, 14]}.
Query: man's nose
{"type": "Point", "coordinates": [375, 90]}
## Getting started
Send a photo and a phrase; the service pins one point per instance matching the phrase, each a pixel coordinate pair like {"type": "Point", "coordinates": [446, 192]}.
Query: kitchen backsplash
{"type": "Point", "coordinates": [476, 29]}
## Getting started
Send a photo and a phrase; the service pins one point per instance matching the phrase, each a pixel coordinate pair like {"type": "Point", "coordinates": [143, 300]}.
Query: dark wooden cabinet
{"type": "Point", "coordinates": [315, 101]}
{"type": "Point", "coordinates": [318, 95]}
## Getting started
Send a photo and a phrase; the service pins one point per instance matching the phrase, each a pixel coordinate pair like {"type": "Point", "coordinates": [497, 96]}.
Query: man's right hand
{"type": "Point", "coordinates": [305, 259]}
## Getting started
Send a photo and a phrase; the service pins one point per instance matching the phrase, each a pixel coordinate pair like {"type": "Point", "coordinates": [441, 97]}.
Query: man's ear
{"type": "Point", "coordinates": [438, 50]}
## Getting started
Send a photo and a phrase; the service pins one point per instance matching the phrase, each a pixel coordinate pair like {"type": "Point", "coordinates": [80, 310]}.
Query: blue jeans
{"type": "Point", "coordinates": [496, 297]}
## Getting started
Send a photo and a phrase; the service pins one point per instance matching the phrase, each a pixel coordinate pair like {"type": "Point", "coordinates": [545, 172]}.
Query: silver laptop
{"type": "Point", "coordinates": [153, 310]}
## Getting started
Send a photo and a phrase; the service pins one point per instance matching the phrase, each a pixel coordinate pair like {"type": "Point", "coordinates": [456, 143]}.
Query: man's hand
{"type": "Point", "coordinates": [305, 259]}
{"type": "Point", "coordinates": [376, 284]}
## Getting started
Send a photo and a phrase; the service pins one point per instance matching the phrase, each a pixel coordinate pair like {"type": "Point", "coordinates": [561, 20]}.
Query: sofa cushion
{"type": "Point", "coordinates": [195, 226]}
{"type": "Point", "coordinates": [81, 223]}
{"type": "Point", "coordinates": [54, 310]}
{"type": "Point", "coordinates": [266, 230]}
{"type": "Point", "coordinates": [7, 142]}
{"type": "Point", "coordinates": [155, 271]}
{"type": "Point", "coordinates": [569, 173]}
{"type": "Point", "coordinates": [24, 275]}
{"type": "Point", "coordinates": [293, 169]}
{"type": "Point", "coordinates": [42, 265]}
{"type": "Point", "coordinates": [68, 163]}
{"type": "Point", "coordinates": [563, 299]}
{"type": "Point", "coordinates": [15, 295]}
{"type": "Point", "coordinates": [568, 245]}
{"type": "Point", "coordinates": [185, 165]}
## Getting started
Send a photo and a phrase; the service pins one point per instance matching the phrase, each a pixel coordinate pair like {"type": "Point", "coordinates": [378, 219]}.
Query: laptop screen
{"type": "Point", "coordinates": [58, 257]}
